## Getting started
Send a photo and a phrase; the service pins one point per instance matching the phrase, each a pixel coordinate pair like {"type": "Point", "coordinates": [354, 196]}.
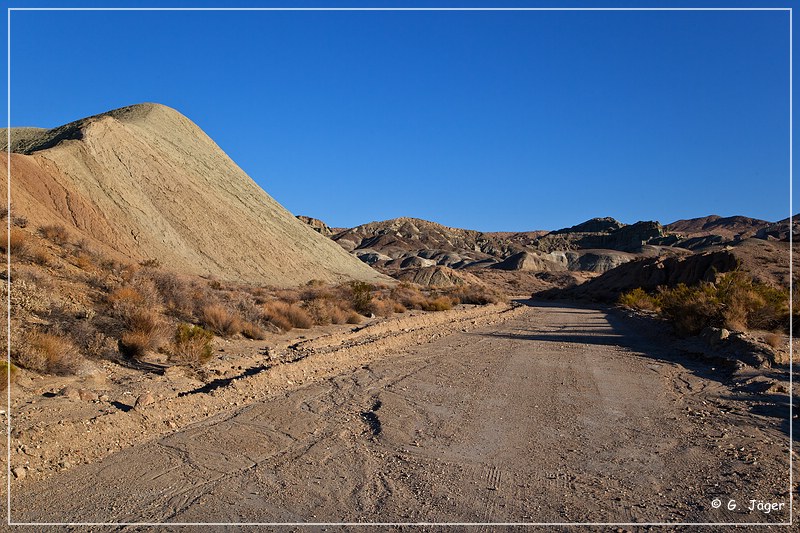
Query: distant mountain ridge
{"type": "Point", "coordinates": [716, 225]}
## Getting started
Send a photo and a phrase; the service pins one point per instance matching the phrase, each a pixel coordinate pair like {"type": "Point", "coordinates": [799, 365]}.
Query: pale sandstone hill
{"type": "Point", "coordinates": [147, 183]}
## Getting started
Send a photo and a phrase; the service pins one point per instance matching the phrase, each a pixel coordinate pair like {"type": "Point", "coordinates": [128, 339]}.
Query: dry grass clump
{"type": "Point", "coordinates": [382, 307]}
{"type": "Point", "coordinates": [221, 320]}
{"type": "Point", "coordinates": [286, 315]}
{"type": "Point", "coordinates": [253, 331]}
{"type": "Point", "coordinates": [55, 233]}
{"type": "Point", "coordinates": [191, 345]}
{"type": "Point", "coordinates": [408, 296]}
{"type": "Point", "coordinates": [17, 242]}
{"type": "Point", "coordinates": [125, 297]}
{"type": "Point", "coordinates": [325, 311]}
{"type": "Point", "coordinates": [354, 318]}
{"type": "Point", "coordinates": [83, 260]}
{"type": "Point", "coordinates": [144, 331]}
{"type": "Point", "coordinates": [441, 303]}
{"type": "Point", "coordinates": [735, 301]}
{"type": "Point", "coordinates": [47, 353]}
{"type": "Point", "coordinates": [475, 295]}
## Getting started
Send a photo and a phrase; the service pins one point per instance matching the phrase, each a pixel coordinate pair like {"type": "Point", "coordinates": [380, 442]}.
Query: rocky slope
{"type": "Point", "coordinates": [144, 182]}
{"type": "Point", "coordinates": [727, 227]}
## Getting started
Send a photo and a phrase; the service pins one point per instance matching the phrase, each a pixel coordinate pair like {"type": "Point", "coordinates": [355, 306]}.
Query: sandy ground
{"type": "Point", "coordinates": [539, 414]}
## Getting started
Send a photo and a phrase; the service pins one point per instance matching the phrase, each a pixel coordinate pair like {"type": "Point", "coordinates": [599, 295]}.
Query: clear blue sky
{"type": "Point", "coordinates": [483, 120]}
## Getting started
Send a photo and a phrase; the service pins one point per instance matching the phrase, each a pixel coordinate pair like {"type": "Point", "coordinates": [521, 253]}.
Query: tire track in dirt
{"type": "Point", "coordinates": [294, 366]}
{"type": "Point", "coordinates": [540, 421]}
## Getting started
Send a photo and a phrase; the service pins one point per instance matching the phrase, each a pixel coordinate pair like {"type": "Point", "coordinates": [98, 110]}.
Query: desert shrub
{"type": "Point", "coordinates": [20, 221]}
{"type": "Point", "coordinates": [475, 295]}
{"type": "Point", "coordinates": [286, 316]}
{"type": "Point", "coordinates": [40, 256]}
{"type": "Point", "coordinates": [398, 307]}
{"type": "Point", "coordinates": [47, 353]}
{"type": "Point", "coordinates": [150, 263]}
{"type": "Point", "coordinates": [735, 302]}
{"type": "Point", "coordinates": [326, 311]}
{"type": "Point", "coordinates": [361, 296]}
{"type": "Point", "coordinates": [638, 299]}
{"type": "Point", "coordinates": [440, 303]}
{"type": "Point", "coordinates": [408, 296]}
{"type": "Point", "coordinates": [143, 331]}
{"type": "Point", "coordinates": [191, 344]}
{"type": "Point", "coordinates": [690, 309]}
{"type": "Point", "coordinates": [317, 291]}
{"type": "Point", "coordinates": [124, 300]}
{"type": "Point", "coordinates": [83, 260]}
{"type": "Point", "coordinates": [17, 242]}
{"type": "Point", "coordinates": [253, 331]}
{"type": "Point", "coordinates": [354, 318]}
{"type": "Point", "coordinates": [751, 305]}
{"type": "Point", "coordinates": [221, 320]}
{"type": "Point", "coordinates": [338, 315]}
{"type": "Point", "coordinates": [382, 307]}
{"type": "Point", "coordinates": [55, 233]}
{"type": "Point", "coordinates": [127, 271]}
{"type": "Point", "coordinates": [319, 311]}
{"type": "Point", "coordinates": [288, 295]}
{"type": "Point", "coordinates": [176, 293]}
{"type": "Point", "coordinates": [273, 313]}
{"type": "Point", "coordinates": [8, 373]}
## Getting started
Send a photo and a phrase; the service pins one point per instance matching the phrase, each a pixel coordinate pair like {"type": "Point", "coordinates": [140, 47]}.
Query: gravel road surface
{"type": "Point", "coordinates": [561, 414]}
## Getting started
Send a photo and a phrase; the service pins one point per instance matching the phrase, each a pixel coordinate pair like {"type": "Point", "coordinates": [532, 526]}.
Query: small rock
{"type": "Point", "coordinates": [87, 395]}
{"type": "Point", "coordinates": [144, 400]}
{"type": "Point", "coordinates": [71, 392]}
{"type": "Point", "coordinates": [19, 472]}
{"type": "Point", "coordinates": [103, 398]}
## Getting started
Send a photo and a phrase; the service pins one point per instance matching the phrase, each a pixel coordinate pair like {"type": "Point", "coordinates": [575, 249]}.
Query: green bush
{"type": "Point", "coordinates": [638, 299]}
{"type": "Point", "coordinates": [191, 344]}
{"type": "Point", "coordinates": [735, 301]}
{"type": "Point", "coordinates": [361, 296]}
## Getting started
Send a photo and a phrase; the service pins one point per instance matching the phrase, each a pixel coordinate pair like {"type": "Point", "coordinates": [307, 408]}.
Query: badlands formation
{"type": "Point", "coordinates": [145, 183]}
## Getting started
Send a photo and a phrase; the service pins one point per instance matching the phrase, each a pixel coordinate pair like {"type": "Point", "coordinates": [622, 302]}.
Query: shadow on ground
{"type": "Point", "coordinates": [652, 338]}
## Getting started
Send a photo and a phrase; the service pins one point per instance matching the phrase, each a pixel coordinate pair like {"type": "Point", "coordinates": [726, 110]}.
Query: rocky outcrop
{"type": "Point", "coordinates": [594, 225]}
{"type": "Point", "coordinates": [649, 274]}
{"type": "Point", "coordinates": [583, 261]}
{"type": "Point", "coordinates": [779, 231]}
{"type": "Point", "coordinates": [627, 238]}
{"type": "Point", "coordinates": [725, 227]}
{"type": "Point", "coordinates": [317, 225]}
{"type": "Point", "coordinates": [534, 262]}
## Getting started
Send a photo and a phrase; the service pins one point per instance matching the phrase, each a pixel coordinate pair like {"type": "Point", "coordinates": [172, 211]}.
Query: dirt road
{"type": "Point", "coordinates": [558, 415]}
